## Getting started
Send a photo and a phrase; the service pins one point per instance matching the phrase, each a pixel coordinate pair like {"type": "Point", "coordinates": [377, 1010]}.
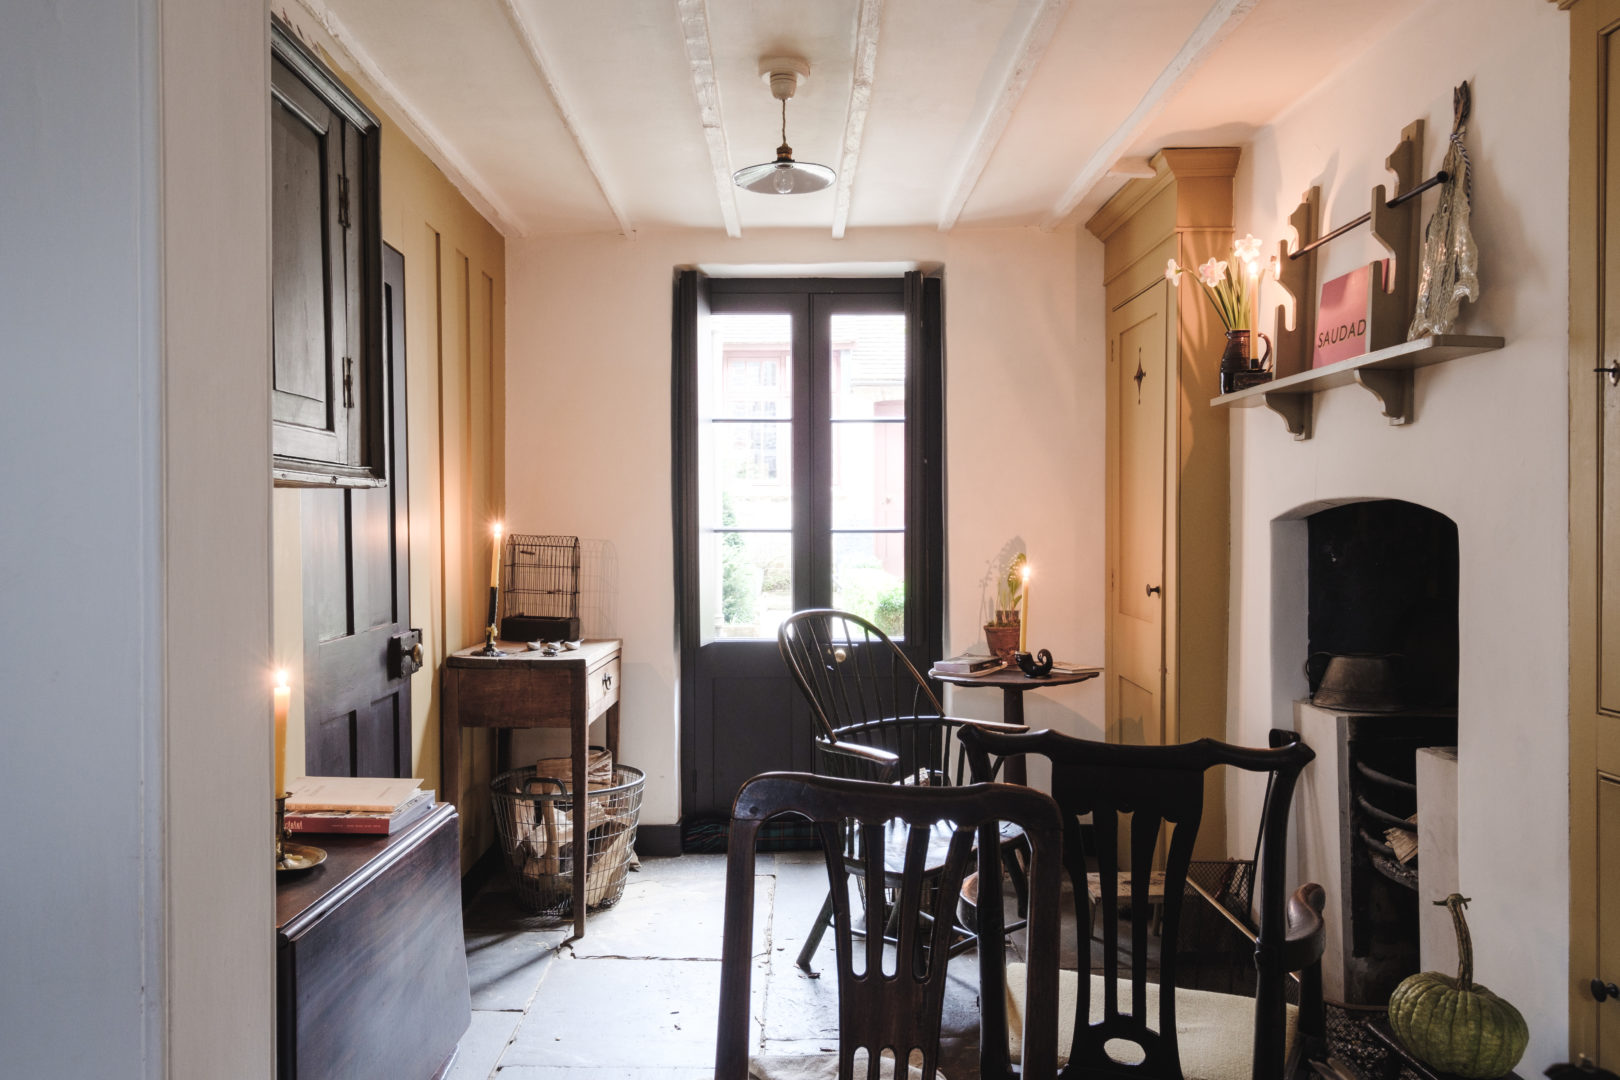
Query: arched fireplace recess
{"type": "Point", "coordinates": [1377, 645]}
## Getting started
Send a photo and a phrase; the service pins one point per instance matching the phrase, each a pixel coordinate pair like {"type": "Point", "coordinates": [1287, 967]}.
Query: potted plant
{"type": "Point", "coordinates": [1001, 632]}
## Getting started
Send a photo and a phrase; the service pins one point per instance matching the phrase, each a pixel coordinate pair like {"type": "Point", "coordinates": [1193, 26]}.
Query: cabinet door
{"type": "Point", "coordinates": [310, 276]}
{"type": "Point", "coordinates": [1138, 383]}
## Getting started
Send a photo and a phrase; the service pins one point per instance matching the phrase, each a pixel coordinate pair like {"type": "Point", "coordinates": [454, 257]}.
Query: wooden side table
{"type": "Point", "coordinates": [371, 962]}
{"type": "Point", "coordinates": [1014, 684]}
{"type": "Point", "coordinates": [523, 689]}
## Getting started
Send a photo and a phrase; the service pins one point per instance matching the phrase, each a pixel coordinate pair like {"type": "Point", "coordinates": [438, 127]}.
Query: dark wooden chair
{"type": "Point", "coordinates": [877, 719]}
{"type": "Point", "coordinates": [1124, 1024]}
{"type": "Point", "coordinates": [892, 999]}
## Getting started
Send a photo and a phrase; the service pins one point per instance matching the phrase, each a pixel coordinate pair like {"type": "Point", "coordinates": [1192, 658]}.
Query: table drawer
{"type": "Point", "coordinates": [602, 688]}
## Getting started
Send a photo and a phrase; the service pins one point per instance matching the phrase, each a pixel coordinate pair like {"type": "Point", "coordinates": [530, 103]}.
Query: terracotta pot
{"type": "Point", "coordinates": [1003, 640]}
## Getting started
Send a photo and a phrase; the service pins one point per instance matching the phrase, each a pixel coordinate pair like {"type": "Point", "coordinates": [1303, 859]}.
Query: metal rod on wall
{"type": "Point", "coordinates": [1438, 178]}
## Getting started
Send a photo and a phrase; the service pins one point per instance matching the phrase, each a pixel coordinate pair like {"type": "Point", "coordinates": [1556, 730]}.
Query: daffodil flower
{"type": "Point", "coordinates": [1172, 271]}
{"type": "Point", "coordinates": [1247, 249]}
{"type": "Point", "coordinates": [1212, 272]}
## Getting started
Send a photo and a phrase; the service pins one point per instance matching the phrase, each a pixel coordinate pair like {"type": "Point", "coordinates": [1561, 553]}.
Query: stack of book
{"type": "Point", "coordinates": [966, 665]}
{"type": "Point", "coordinates": [373, 805]}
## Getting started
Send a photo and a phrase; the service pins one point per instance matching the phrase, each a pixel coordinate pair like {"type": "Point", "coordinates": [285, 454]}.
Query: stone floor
{"type": "Point", "coordinates": [643, 985]}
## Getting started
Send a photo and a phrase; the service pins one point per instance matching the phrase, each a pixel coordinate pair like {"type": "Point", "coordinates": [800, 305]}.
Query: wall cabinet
{"type": "Point", "coordinates": [1167, 538]}
{"type": "Point", "coordinates": [327, 395]}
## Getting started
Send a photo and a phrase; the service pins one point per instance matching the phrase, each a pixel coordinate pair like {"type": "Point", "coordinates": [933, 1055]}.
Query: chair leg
{"type": "Point", "coordinates": [813, 942]}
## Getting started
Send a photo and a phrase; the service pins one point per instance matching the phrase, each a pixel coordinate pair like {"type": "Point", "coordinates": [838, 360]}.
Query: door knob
{"type": "Point", "coordinates": [1603, 991]}
{"type": "Point", "coordinates": [416, 654]}
{"type": "Point", "coordinates": [1153, 590]}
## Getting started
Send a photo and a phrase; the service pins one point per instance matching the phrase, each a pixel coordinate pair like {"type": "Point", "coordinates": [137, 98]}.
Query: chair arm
{"type": "Point", "coordinates": [988, 725]}
{"type": "Point", "coordinates": [1306, 936]}
{"type": "Point", "coordinates": [1307, 931]}
{"type": "Point", "coordinates": [887, 762]}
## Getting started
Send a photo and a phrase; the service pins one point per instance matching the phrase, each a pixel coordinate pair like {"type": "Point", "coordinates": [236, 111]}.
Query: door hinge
{"type": "Point", "coordinates": [348, 382]}
{"type": "Point", "coordinates": [343, 202]}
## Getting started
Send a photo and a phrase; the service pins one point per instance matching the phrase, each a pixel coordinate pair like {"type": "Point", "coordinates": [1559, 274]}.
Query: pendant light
{"type": "Point", "coordinates": [784, 176]}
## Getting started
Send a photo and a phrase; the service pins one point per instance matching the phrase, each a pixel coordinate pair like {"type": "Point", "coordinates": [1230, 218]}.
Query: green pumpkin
{"type": "Point", "coordinates": [1455, 1025]}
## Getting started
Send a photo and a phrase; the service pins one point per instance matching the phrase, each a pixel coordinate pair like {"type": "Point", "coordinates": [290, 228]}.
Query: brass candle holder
{"type": "Point", "coordinates": [289, 856]}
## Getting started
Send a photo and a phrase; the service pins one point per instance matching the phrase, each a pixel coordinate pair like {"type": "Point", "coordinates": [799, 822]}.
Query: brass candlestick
{"type": "Point", "coordinates": [281, 832]}
{"type": "Point", "coordinates": [290, 856]}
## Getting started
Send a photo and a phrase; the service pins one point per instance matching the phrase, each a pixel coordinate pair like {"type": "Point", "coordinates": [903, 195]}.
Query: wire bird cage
{"type": "Point", "coordinates": [540, 588]}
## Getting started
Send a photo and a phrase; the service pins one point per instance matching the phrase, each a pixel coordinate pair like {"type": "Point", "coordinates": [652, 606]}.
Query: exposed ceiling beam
{"type": "Point", "coordinates": [565, 112]}
{"type": "Point", "coordinates": [868, 22]}
{"type": "Point", "coordinates": [1037, 35]}
{"type": "Point", "coordinates": [460, 172]}
{"type": "Point", "coordinates": [1221, 20]}
{"type": "Point", "coordinates": [694, 16]}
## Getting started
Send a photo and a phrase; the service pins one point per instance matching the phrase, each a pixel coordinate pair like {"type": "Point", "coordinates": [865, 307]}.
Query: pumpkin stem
{"type": "Point", "coordinates": [1465, 944]}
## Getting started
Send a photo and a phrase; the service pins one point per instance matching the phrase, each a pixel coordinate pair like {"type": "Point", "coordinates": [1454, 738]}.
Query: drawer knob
{"type": "Point", "coordinates": [607, 680]}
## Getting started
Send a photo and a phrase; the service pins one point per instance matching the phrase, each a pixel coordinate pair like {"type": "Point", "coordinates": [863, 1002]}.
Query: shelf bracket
{"type": "Point", "coordinates": [1393, 389]}
{"type": "Point", "coordinates": [1295, 409]}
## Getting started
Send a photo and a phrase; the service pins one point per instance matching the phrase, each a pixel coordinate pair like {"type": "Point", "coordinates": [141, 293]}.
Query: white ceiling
{"type": "Point", "coordinates": [590, 115]}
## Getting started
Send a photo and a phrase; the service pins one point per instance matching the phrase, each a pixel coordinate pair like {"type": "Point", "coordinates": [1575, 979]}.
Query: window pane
{"type": "Point", "coordinates": [868, 476]}
{"type": "Point", "coordinates": [752, 367]}
{"type": "Point", "coordinates": [869, 577]}
{"type": "Point", "coordinates": [752, 589]}
{"type": "Point", "coordinates": [868, 370]}
{"type": "Point", "coordinates": [751, 477]}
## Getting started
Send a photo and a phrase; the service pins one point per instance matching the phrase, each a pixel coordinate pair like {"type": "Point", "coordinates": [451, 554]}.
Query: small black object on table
{"type": "Point", "coordinates": [1400, 1056]}
{"type": "Point", "coordinates": [1013, 685]}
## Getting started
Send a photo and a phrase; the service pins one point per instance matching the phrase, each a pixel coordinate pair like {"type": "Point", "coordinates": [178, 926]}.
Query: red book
{"type": "Point", "coordinates": [336, 821]}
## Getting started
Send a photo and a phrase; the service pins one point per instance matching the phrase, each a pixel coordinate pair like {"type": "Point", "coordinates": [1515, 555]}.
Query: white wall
{"type": "Point", "coordinates": [1488, 448]}
{"type": "Point", "coordinates": [134, 572]}
{"type": "Point", "coordinates": [588, 436]}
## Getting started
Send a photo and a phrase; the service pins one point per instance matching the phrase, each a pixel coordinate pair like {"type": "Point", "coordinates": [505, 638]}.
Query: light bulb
{"type": "Point", "coordinates": [783, 180]}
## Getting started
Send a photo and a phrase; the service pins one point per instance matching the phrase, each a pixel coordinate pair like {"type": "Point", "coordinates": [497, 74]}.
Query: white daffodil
{"type": "Point", "coordinates": [1213, 272]}
{"type": "Point", "coordinates": [1171, 270]}
{"type": "Point", "coordinates": [1247, 249]}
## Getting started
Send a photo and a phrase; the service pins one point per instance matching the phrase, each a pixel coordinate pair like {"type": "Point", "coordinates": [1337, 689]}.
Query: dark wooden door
{"type": "Point", "coordinates": [356, 566]}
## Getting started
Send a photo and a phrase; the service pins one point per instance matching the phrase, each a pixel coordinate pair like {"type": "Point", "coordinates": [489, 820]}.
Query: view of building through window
{"type": "Point", "coordinates": [747, 468]}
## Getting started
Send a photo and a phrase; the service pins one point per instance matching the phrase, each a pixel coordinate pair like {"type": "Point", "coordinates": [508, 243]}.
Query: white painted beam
{"type": "Point", "coordinates": [1217, 24]}
{"type": "Point", "coordinates": [868, 23]}
{"type": "Point", "coordinates": [460, 172]}
{"type": "Point", "coordinates": [565, 112]}
{"type": "Point", "coordinates": [1042, 25]}
{"type": "Point", "coordinates": [694, 16]}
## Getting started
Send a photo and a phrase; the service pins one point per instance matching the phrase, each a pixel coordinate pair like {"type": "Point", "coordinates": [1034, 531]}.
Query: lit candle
{"type": "Point", "coordinates": [495, 559]}
{"type": "Point", "coordinates": [1254, 296]}
{"type": "Point", "coordinates": [282, 695]}
{"type": "Point", "coordinates": [1023, 619]}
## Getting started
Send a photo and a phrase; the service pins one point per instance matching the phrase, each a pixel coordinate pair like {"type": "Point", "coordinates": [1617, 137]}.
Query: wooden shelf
{"type": "Point", "coordinates": [1386, 374]}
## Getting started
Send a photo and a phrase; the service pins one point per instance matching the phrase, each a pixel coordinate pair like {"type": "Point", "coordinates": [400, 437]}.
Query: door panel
{"type": "Point", "coordinates": [356, 595]}
{"type": "Point", "coordinates": [1594, 527]}
{"type": "Point", "coordinates": [1139, 387]}
{"type": "Point", "coordinates": [311, 328]}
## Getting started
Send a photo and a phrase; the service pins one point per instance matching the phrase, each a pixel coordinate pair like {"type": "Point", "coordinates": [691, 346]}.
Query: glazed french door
{"type": "Point", "coordinates": [808, 460]}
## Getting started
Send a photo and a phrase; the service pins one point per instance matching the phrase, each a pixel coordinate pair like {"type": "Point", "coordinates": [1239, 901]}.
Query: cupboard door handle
{"type": "Point", "coordinates": [1603, 991]}
{"type": "Point", "coordinates": [1612, 371]}
{"type": "Point", "coordinates": [1153, 590]}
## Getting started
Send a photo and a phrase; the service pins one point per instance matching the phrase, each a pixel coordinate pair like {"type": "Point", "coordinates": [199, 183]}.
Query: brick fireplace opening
{"type": "Point", "coordinates": [1380, 591]}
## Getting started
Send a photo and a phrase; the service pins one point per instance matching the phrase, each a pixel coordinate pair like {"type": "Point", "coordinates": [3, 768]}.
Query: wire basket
{"type": "Point", "coordinates": [534, 816]}
{"type": "Point", "coordinates": [540, 588]}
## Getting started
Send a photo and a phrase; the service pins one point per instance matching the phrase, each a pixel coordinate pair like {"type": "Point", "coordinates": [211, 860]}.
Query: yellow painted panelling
{"type": "Point", "coordinates": [455, 301]}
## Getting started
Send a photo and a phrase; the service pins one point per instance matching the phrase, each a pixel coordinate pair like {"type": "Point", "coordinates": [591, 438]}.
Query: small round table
{"type": "Point", "coordinates": [1014, 684]}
